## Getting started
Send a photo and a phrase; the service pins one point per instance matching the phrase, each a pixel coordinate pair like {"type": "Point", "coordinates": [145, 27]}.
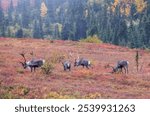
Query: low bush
{"type": "Point", "coordinates": [56, 95]}
{"type": "Point", "coordinates": [92, 39]}
{"type": "Point", "coordinates": [56, 57]}
{"type": "Point", "coordinates": [13, 92]}
{"type": "Point", "coordinates": [93, 96]}
{"type": "Point", "coordinates": [21, 71]}
{"type": "Point", "coordinates": [7, 96]}
{"type": "Point", "coordinates": [47, 68]}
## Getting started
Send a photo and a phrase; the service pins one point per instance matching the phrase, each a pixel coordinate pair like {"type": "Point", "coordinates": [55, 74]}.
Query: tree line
{"type": "Point", "coordinates": [120, 22]}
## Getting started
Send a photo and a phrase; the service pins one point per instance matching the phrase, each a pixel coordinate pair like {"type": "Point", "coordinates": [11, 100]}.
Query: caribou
{"type": "Point", "coordinates": [122, 64]}
{"type": "Point", "coordinates": [67, 65]}
{"type": "Point", "coordinates": [32, 64]}
{"type": "Point", "coordinates": [82, 62]}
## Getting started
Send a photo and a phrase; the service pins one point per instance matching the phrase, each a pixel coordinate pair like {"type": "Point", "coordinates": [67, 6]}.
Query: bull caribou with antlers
{"type": "Point", "coordinates": [32, 64]}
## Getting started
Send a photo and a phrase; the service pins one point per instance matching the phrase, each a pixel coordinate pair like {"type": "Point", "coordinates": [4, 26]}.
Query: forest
{"type": "Point", "coordinates": [120, 22]}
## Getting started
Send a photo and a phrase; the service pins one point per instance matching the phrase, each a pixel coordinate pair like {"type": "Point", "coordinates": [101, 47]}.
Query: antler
{"type": "Point", "coordinates": [109, 66]}
{"type": "Point", "coordinates": [23, 55]}
{"type": "Point", "coordinates": [70, 54]}
{"type": "Point", "coordinates": [113, 69]}
{"type": "Point", "coordinates": [32, 54]}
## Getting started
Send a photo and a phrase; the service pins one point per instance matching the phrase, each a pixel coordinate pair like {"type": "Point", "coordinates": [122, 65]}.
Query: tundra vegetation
{"type": "Point", "coordinates": [60, 31]}
{"type": "Point", "coordinates": [95, 82]}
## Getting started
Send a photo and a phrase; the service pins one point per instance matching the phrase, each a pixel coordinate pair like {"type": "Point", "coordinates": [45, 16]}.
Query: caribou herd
{"type": "Point", "coordinates": [37, 63]}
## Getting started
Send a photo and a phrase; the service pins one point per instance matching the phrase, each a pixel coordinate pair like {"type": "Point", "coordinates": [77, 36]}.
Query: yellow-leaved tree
{"type": "Point", "coordinates": [43, 9]}
{"type": "Point", "coordinates": [125, 6]}
{"type": "Point", "coordinates": [141, 5]}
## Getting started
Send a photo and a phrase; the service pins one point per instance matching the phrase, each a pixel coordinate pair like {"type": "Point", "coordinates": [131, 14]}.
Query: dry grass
{"type": "Point", "coordinates": [93, 83]}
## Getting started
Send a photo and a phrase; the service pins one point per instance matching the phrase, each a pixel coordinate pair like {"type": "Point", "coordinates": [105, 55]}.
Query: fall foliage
{"type": "Point", "coordinates": [125, 5]}
{"type": "Point", "coordinates": [43, 9]}
{"type": "Point", "coordinates": [121, 22]}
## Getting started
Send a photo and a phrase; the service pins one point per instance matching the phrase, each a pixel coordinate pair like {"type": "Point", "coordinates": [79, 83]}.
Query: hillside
{"type": "Point", "coordinates": [96, 82]}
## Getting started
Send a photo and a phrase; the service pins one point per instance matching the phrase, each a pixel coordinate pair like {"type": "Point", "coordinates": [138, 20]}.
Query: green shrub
{"type": "Point", "coordinates": [7, 96]}
{"type": "Point", "coordinates": [47, 68]}
{"type": "Point", "coordinates": [92, 39]}
{"type": "Point", "coordinates": [49, 65]}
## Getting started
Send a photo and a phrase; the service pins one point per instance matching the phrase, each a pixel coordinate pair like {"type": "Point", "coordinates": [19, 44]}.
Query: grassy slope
{"type": "Point", "coordinates": [79, 83]}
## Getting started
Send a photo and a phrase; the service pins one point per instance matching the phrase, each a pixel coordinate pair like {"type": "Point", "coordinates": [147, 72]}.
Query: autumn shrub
{"type": "Point", "coordinates": [21, 71]}
{"type": "Point", "coordinates": [56, 95]}
{"type": "Point", "coordinates": [23, 90]}
{"type": "Point", "coordinates": [13, 92]}
{"type": "Point", "coordinates": [6, 92]}
{"type": "Point", "coordinates": [7, 96]}
{"type": "Point", "coordinates": [93, 96]}
{"type": "Point", "coordinates": [92, 39]}
{"type": "Point", "coordinates": [57, 57]}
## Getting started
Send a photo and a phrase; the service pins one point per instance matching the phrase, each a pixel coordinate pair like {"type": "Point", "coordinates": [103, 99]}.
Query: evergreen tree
{"type": "Point", "coordinates": [26, 13]}
{"type": "Point", "coordinates": [19, 33]}
{"type": "Point", "coordinates": [147, 25]}
{"type": "Point", "coordinates": [37, 31]}
{"type": "Point", "coordinates": [123, 22]}
{"type": "Point", "coordinates": [2, 23]}
{"type": "Point", "coordinates": [10, 13]}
